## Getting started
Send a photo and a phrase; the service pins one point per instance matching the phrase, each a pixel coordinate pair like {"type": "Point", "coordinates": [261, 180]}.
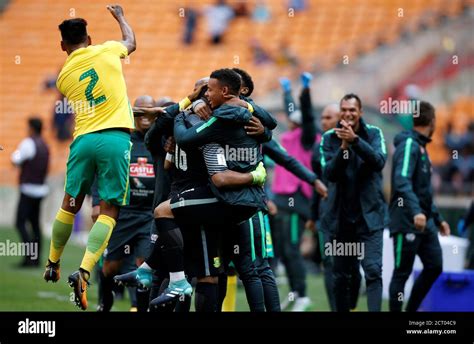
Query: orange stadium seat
{"type": "Point", "coordinates": [458, 114]}
{"type": "Point", "coordinates": [161, 66]}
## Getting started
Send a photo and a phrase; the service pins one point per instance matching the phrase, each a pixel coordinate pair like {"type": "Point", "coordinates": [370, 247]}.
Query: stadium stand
{"type": "Point", "coordinates": [164, 66]}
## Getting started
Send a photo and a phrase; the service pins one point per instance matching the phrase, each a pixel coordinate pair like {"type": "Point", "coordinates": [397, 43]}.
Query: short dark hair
{"type": "Point", "coordinates": [73, 31]}
{"type": "Point", "coordinates": [352, 96]}
{"type": "Point", "coordinates": [229, 78]}
{"type": "Point", "coordinates": [36, 124]}
{"type": "Point", "coordinates": [246, 80]}
{"type": "Point", "coordinates": [425, 114]}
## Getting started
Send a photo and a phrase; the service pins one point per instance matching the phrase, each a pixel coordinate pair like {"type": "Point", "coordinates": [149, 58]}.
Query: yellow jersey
{"type": "Point", "coordinates": [93, 83]}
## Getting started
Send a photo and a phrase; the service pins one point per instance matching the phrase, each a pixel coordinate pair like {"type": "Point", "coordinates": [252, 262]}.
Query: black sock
{"type": "Point", "coordinates": [156, 254]}
{"type": "Point", "coordinates": [143, 298]}
{"type": "Point", "coordinates": [206, 299]}
{"type": "Point", "coordinates": [183, 304]}
{"type": "Point", "coordinates": [172, 242]}
{"type": "Point", "coordinates": [107, 293]}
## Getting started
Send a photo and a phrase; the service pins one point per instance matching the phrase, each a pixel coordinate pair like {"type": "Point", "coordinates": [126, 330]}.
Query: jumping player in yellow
{"type": "Point", "coordinates": [92, 81]}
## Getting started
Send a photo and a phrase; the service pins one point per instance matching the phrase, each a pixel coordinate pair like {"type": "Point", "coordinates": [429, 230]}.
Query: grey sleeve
{"type": "Point", "coordinates": [214, 158]}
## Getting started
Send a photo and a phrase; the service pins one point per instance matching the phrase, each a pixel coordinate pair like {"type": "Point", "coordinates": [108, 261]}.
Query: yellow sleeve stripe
{"type": "Point", "coordinates": [184, 103]}
{"type": "Point", "coordinates": [250, 107]}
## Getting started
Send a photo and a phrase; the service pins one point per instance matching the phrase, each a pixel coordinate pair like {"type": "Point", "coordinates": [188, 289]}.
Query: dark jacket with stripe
{"type": "Point", "coordinates": [411, 184]}
{"type": "Point", "coordinates": [318, 204]}
{"type": "Point", "coordinates": [370, 154]}
{"type": "Point", "coordinates": [243, 152]}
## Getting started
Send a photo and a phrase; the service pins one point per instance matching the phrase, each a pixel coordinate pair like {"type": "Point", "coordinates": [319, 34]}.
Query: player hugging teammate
{"type": "Point", "coordinates": [198, 192]}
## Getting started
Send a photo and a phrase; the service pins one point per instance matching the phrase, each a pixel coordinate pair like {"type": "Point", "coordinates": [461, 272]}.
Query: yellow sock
{"type": "Point", "coordinates": [62, 228]}
{"type": "Point", "coordinates": [231, 295]}
{"type": "Point", "coordinates": [97, 241]}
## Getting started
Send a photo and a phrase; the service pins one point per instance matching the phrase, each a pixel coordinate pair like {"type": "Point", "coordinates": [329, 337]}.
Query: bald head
{"type": "Point", "coordinates": [201, 82]}
{"type": "Point", "coordinates": [144, 101]}
{"type": "Point", "coordinates": [143, 123]}
{"type": "Point", "coordinates": [330, 117]}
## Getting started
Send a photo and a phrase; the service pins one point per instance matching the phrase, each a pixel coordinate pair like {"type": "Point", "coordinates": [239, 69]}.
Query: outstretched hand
{"type": "Point", "coordinates": [116, 10]}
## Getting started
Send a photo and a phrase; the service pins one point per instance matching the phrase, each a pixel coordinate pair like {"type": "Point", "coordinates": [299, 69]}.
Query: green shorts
{"type": "Point", "coordinates": [105, 154]}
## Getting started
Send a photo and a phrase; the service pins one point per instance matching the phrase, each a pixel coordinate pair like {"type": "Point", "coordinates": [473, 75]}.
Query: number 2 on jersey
{"type": "Point", "coordinates": [94, 78]}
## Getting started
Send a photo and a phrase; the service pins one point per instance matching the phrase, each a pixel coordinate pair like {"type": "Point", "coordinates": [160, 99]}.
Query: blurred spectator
{"type": "Point", "coordinates": [260, 56]}
{"type": "Point", "coordinates": [286, 56]}
{"type": "Point", "coordinates": [412, 93]}
{"type": "Point", "coordinates": [218, 18]}
{"type": "Point", "coordinates": [297, 5]}
{"type": "Point", "coordinates": [261, 13]}
{"type": "Point", "coordinates": [293, 196]}
{"type": "Point", "coordinates": [63, 119]}
{"type": "Point", "coordinates": [460, 168]}
{"type": "Point", "coordinates": [63, 116]}
{"type": "Point", "coordinates": [50, 82]}
{"type": "Point", "coordinates": [32, 157]}
{"type": "Point", "coordinates": [241, 9]}
{"type": "Point", "coordinates": [190, 16]}
{"type": "Point", "coordinates": [464, 223]}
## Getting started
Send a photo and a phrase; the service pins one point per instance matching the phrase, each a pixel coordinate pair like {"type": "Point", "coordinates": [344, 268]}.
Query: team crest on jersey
{"type": "Point", "coordinates": [410, 237]}
{"type": "Point", "coordinates": [217, 262]}
{"type": "Point", "coordinates": [142, 168]}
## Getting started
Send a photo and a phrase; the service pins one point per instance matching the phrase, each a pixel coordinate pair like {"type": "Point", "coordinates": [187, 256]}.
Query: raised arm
{"type": "Point", "coordinates": [333, 161]}
{"type": "Point", "coordinates": [309, 126]}
{"type": "Point", "coordinates": [374, 154]}
{"type": "Point", "coordinates": [128, 36]}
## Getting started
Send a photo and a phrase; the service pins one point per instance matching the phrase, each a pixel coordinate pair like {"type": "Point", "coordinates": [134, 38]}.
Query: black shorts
{"type": "Point", "coordinates": [130, 236]}
{"type": "Point", "coordinates": [199, 206]}
{"type": "Point", "coordinates": [201, 252]}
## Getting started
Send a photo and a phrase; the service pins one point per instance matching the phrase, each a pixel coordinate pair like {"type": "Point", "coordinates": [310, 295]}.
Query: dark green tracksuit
{"type": "Point", "coordinates": [318, 208]}
{"type": "Point", "coordinates": [412, 194]}
{"type": "Point", "coordinates": [355, 210]}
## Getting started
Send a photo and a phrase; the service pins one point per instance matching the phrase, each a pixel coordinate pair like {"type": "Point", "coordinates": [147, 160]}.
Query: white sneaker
{"type": "Point", "coordinates": [289, 301]}
{"type": "Point", "coordinates": [302, 304]}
